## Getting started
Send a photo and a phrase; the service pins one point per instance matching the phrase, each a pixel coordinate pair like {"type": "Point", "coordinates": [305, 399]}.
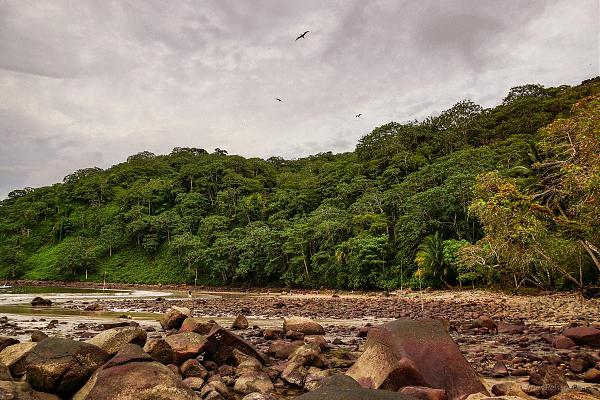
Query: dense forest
{"type": "Point", "coordinates": [507, 196]}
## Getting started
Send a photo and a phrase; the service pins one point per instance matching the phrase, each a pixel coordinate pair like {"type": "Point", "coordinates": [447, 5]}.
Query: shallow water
{"type": "Point", "coordinates": [23, 309]}
{"type": "Point", "coordinates": [20, 295]}
{"type": "Point", "coordinates": [16, 301]}
{"type": "Point", "coordinates": [52, 289]}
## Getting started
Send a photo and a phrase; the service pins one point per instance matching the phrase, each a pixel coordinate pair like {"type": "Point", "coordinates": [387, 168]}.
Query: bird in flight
{"type": "Point", "coordinates": [302, 36]}
{"type": "Point", "coordinates": [357, 115]}
{"type": "Point", "coordinates": [277, 98]}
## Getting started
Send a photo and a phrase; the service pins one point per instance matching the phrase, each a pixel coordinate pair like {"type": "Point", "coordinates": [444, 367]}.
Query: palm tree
{"type": "Point", "coordinates": [430, 258]}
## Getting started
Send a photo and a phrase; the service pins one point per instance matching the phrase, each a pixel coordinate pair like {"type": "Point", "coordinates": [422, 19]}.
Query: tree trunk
{"type": "Point", "coordinates": [304, 259]}
{"type": "Point", "coordinates": [588, 248]}
{"type": "Point", "coordinates": [561, 270]}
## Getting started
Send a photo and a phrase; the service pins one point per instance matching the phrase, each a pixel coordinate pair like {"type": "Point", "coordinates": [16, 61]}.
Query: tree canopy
{"type": "Point", "coordinates": [505, 195]}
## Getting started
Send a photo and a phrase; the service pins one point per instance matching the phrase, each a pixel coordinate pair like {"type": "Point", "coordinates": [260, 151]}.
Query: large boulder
{"type": "Point", "coordinates": [112, 340]}
{"type": "Point", "coordinates": [186, 345]}
{"type": "Point", "coordinates": [193, 369]}
{"type": "Point", "coordinates": [282, 350]}
{"type": "Point", "coordinates": [510, 389]}
{"type": "Point", "coordinates": [303, 325]}
{"type": "Point", "coordinates": [22, 391]}
{"type": "Point", "coordinates": [342, 387]}
{"type": "Point", "coordinates": [592, 376]}
{"type": "Point", "coordinates": [62, 366]}
{"type": "Point", "coordinates": [6, 341]}
{"type": "Point", "coordinates": [273, 333]}
{"type": "Point", "coordinates": [41, 302]}
{"type": "Point", "coordinates": [485, 322]}
{"type": "Point", "coordinates": [160, 350]}
{"type": "Point", "coordinates": [315, 377]}
{"type": "Point", "coordinates": [14, 357]}
{"type": "Point", "coordinates": [240, 322]}
{"type": "Point", "coordinates": [256, 381]}
{"type": "Point", "coordinates": [563, 342]}
{"type": "Point", "coordinates": [424, 393]}
{"type": "Point", "coordinates": [174, 317]}
{"type": "Point", "coordinates": [295, 373]}
{"type": "Point", "coordinates": [309, 355]}
{"type": "Point", "coordinates": [415, 353]}
{"type": "Point", "coordinates": [5, 373]}
{"type": "Point", "coordinates": [133, 375]}
{"type": "Point", "coordinates": [546, 381]}
{"type": "Point", "coordinates": [584, 335]}
{"type": "Point", "coordinates": [222, 342]}
{"type": "Point", "coordinates": [197, 325]}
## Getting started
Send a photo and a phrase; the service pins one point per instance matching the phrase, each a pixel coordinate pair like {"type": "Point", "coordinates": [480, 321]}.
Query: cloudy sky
{"type": "Point", "coordinates": [87, 83]}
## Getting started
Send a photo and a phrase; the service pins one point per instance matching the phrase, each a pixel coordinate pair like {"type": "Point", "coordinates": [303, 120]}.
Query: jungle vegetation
{"type": "Point", "coordinates": [507, 196]}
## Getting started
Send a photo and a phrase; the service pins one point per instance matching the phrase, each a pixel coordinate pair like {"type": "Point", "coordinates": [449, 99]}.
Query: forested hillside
{"type": "Point", "coordinates": [506, 196]}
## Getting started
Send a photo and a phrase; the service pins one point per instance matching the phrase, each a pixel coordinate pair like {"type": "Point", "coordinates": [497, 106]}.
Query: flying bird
{"type": "Point", "coordinates": [277, 98]}
{"type": "Point", "coordinates": [357, 115]}
{"type": "Point", "coordinates": [302, 36]}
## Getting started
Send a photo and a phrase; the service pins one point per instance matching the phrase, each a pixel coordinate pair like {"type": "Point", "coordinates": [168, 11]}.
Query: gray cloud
{"type": "Point", "coordinates": [85, 82]}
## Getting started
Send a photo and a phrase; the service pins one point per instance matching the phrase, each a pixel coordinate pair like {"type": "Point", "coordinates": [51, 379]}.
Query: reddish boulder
{"type": "Point", "coordinates": [240, 322]}
{"type": "Point", "coordinates": [511, 329]}
{"type": "Point", "coordinates": [273, 333]}
{"type": "Point", "coordinates": [546, 381]}
{"type": "Point", "coordinates": [592, 376]}
{"type": "Point", "coordinates": [174, 317]}
{"type": "Point", "coordinates": [160, 350]}
{"type": "Point", "coordinates": [133, 375]}
{"type": "Point", "coordinates": [584, 335]}
{"type": "Point", "coordinates": [342, 387]}
{"type": "Point", "coordinates": [193, 368]}
{"type": "Point", "coordinates": [62, 366]}
{"type": "Point", "coordinates": [303, 325]}
{"type": "Point", "coordinates": [499, 370]}
{"type": "Point", "coordinates": [485, 322]}
{"type": "Point", "coordinates": [415, 353]}
{"type": "Point", "coordinates": [563, 342]}
{"type": "Point", "coordinates": [197, 325]}
{"type": "Point", "coordinates": [294, 335]}
{"type": "Point", "coordinates": [221, 343]}
{"type": "Point", "coordinates": [510, 389]}
{"type": "Point", "coordinates": [424, 393]}
{"type": "Point", "coordinates": [363, 331]}
{"type": "Point", "coordinates": [186, 345]}
{"type": "Point", "coordinates": [282, 350]}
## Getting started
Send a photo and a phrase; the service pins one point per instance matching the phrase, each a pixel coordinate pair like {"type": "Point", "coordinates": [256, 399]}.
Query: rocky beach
{"type": "Point", "coordinates": [280, 345]}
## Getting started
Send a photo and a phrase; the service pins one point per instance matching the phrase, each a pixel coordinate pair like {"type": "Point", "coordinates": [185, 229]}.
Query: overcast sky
{"type": "Point", "coordinates": [87, 83]}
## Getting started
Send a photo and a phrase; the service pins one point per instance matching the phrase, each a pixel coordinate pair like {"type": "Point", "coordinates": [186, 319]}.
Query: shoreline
{"type": "Point", "coordinates": [530, 292]}
{"type": "Point", "coordinates": [534, 321]}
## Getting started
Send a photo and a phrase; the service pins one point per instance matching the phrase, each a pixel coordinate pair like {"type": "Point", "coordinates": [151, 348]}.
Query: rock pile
{"type": "Point", "coordinates": [405, 359]}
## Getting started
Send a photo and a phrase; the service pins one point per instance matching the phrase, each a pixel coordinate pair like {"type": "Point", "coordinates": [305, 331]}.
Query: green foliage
{"type": "Point", "coordinates": [370, 218]}
{"type": "Point", "coordinates": [77, 254]}
{"type": "Point", "coordinates": [132, 265]}
{"type": "Point", "coordinates": [539, 225]}
{"type": "Point", "coordinates": [437, 258]}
